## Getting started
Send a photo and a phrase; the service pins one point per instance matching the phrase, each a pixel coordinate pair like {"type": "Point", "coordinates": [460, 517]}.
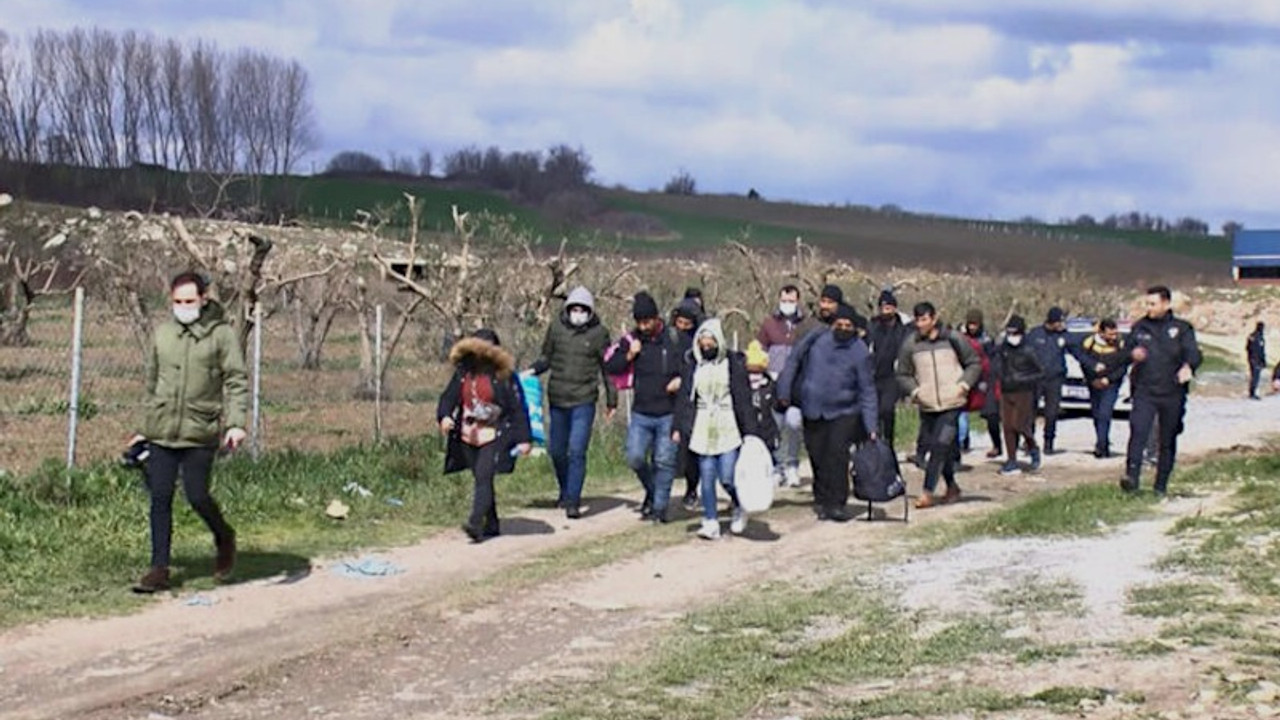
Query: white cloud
{"type": "Point", "coordinates": [965, 108]}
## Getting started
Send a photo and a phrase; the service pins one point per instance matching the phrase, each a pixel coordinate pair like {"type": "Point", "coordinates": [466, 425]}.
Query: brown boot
{"type": "Point", "coordinates": [924, 501]}
{"type": "Point", "coordinates": [155, 581]}
{"type": "Point", "coordinates": [952, 496]}
{"type": "Point", "coordinates": [226, 559]}
{"type": "Point", "coordinates": [993, 453]}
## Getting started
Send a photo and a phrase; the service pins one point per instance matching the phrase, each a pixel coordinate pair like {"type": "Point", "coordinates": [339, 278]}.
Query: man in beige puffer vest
{"type": "Point", "coordinates": [936, 370]}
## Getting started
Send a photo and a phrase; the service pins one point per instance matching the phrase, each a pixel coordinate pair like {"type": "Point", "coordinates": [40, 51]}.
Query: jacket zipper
{"type": "Point", "coordinates": [937, 381]}
{"type": "Point", "coordinates": [182, 387]}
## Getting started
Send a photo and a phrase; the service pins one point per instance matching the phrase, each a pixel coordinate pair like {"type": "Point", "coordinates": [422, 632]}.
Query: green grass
{"type": "Point", "coordinates": [337, 199]}
{"type": "Point", "coordinates": [1082, 510]}
{"type": "Point", "coordinates": [699, 231]}
{"type": "Point", "coordinates": [726, 660]}
{"type": "Point", "coordinates": [1216, 359]}
{"type": "Point", "coordinates": [1171, 599]}
{"type": "Point", "coordinates": [1037, 595]}
{"type": "Point", "coordinates": [70, 544]}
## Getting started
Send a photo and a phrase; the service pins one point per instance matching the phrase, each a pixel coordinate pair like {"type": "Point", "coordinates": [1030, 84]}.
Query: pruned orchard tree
{"type": "Point", "coordinates": [36, 260]}
{"type": "Point", "coordinates": [132, 256]}
{"type": "Point", "coordinates": [314, 302]}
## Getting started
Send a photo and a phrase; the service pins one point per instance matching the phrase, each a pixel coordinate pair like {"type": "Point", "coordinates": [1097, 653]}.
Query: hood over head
{"type": "Point", "coordinates": [581, 296]}
{"type": "Point", "coordinates": [713, 328]}
{"type": "Point", "coordinates": [477, 352]}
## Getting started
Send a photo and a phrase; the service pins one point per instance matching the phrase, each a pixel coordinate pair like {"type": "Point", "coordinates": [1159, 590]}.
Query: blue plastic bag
{"type": "Point", "coordinates": [532, 389]}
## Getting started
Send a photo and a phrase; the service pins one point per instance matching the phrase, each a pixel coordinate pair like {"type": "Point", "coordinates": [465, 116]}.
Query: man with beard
{"type": "Point", "coordinates": [655, 360]}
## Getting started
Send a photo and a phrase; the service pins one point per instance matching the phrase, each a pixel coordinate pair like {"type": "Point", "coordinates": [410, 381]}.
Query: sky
{"type": "Point", "coordinates": [978, 108]}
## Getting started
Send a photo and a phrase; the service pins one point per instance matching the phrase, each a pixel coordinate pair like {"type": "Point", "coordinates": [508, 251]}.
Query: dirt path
{"type": "Point", "coordinates": [410, 646]}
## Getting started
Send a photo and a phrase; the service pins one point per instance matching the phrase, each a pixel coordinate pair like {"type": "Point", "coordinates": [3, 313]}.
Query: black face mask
{"type": "Point", "coordinates": [844, 336]}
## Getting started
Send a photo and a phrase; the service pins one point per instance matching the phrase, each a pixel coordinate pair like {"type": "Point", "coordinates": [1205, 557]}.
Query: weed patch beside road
{"type": "Point", "coordinates": [70, 544]}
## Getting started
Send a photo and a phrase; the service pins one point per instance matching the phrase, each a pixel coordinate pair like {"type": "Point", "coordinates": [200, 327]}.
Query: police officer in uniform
{"type": "Point", "coordinates": [1165, 356]}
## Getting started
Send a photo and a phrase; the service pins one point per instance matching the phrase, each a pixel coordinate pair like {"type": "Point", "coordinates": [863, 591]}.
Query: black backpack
{"type": "Point", "coordinates": [877, 477]}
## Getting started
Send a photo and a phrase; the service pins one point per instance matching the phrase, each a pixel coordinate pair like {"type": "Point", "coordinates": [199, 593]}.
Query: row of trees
{"type": "Point", "coordinates": [1145, 221]}
{"type": "Point", "coordinates": [531, 175]}
{"type": "Point", "coordinates": [95, 98]}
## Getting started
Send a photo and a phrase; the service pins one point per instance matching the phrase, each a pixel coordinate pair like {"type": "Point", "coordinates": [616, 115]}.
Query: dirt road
{"type": "Point", "coordinates": [453, 630]}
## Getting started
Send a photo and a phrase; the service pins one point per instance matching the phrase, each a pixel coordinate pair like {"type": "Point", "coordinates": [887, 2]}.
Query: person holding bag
{"type": "Point", "coordinates": [482, 413]}
{"type": "Point", "coordinates": [714, 413]}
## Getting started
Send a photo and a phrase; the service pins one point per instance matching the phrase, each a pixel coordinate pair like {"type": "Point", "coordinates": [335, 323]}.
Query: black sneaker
{"type": "Point", "coordinates": [691, 502]}
{"type": "Point", "coordinates": [1129, 486]}
{"type": "Point", "coordinates": [573, 512]}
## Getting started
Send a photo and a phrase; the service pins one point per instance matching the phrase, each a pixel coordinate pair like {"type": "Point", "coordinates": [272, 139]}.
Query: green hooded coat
{"type": "Point", "coordinates": [197, 385]}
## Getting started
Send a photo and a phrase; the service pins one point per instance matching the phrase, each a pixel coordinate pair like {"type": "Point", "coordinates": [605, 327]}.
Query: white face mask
{"type": "Point", "coordinates": [787, 309]}
{"type": "Point", "coordinates": [578, 318]}
{"type": "Point", "coordinates": [186, 314]}
{"type": "Point", "coordinates": [1013, 340]}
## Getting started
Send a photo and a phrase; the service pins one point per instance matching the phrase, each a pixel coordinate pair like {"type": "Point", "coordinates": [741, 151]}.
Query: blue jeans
{"type": "Point", "coordinates": [962, 435]}
{"type": "Point", "coordinates": [570, 438]}
{"type": "Point", "coordinates": [787, 455]}
{"type": "Point", "coordinates": [652, 455]}
{"type": "Point", "coordinates": [713, 468]}
{"type": "Point", "coordinates": [1103, 404]}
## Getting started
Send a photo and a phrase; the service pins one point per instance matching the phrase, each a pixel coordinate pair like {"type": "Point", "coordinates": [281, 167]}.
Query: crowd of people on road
{"type": "Point", "coordinates": [825, 382]}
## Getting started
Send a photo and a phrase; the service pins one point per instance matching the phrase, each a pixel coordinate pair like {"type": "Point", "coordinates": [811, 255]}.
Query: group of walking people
{"type": "Point", "coordinates": [829, 380]}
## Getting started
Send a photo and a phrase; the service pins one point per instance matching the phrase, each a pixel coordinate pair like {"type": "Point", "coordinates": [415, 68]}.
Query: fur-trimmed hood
{"type": "Point", "coordinates": [475, 351]}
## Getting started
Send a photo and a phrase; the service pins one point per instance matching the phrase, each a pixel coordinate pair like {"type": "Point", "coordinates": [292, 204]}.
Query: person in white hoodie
{"type": "Point", "coordinates": [715, 413]}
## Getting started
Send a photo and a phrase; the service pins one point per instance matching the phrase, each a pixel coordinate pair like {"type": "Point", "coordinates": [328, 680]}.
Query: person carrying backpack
{"type": "Point", "coordinates": [936, 371]}
{"type": "Point", "coordinates": [1020, 370]}
{"type": "Point", "coordinates": [653, 358]}
{"type": "Point", "coordinates": [573, 354]}
{"type": "Point", "coordinates": [483, 415]}
{"type": "Point", "coordinates": [714, 413]}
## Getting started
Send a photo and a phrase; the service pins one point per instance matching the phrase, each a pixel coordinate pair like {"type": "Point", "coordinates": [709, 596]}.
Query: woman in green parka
{"type": "Point", "coordinates": [197, 397]}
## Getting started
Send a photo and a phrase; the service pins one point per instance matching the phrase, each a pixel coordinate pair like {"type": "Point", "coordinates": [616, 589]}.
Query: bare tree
{"type": "Point", "coordinates": [426, 163]}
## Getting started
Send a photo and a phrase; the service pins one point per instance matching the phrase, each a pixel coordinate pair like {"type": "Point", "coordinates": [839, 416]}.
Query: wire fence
{"type": "Point", "coordinates": [44, 420]}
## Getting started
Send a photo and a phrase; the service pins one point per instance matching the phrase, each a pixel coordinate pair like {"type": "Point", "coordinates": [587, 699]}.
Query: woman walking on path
{"type": "Point", "coordinates": [715, 413]}
{"type": "Point", "coordinates": [483, 415]}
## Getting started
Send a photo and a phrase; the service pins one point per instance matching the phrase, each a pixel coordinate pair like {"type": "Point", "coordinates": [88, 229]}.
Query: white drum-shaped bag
{"type": "Point", "coordinates": [754, 475]}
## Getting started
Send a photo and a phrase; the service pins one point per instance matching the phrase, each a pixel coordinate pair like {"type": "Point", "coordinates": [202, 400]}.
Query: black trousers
{"type": "Point", "coordinates": [1255, 378]}
{"type": "Point", "coordinates": [938, 430]}
{"type": "Point", "coordinates": [687, 465]}
{"type": "Point", "coordinates": [163, 470]}
{"type": "Point", "coordinates": [483, 462]}
{"type": "Point", "coordinates": [1050, 391]}
{"type": "Point", "coordinates": [1165, 413]}
{"type": "Point", "coordinates": [887, 401]}
{"type": "Point", "coordinates": [828, 443]}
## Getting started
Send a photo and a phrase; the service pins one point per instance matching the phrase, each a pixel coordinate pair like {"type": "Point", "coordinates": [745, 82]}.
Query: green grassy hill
{"type": "Point", "coordinates": [645, 223]}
